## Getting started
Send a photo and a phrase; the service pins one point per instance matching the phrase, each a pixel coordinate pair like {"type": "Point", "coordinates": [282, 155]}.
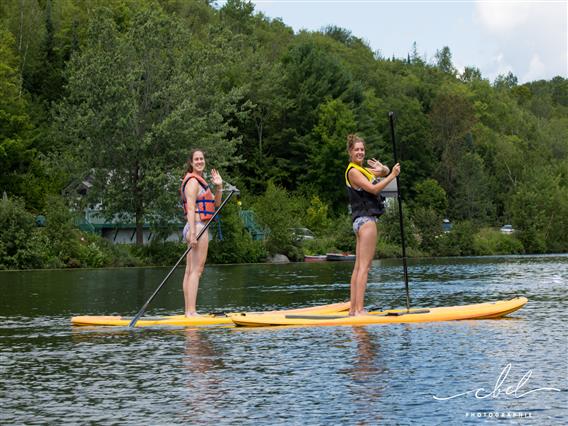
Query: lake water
{"type": "Point", "coordinates": [53, 373]}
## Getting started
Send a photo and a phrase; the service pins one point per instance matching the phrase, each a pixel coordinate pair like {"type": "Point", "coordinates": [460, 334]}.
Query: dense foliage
{"type": "Point", "coordinates": [122, 90]}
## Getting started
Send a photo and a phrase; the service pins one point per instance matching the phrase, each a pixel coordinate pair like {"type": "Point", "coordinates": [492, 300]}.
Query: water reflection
{"type": "Point", "coordinates": [383, 374]}
{"type": "Point", "coordinates": [200, 362]}
{"type": "Point", "coordinates": [100, 335]}
{"type": "Point", "coordinates": [200, 355]}
{"type": "Point", "coordinates": [367, 359]}
{"type": "Point", "coordinates": [367, 377]}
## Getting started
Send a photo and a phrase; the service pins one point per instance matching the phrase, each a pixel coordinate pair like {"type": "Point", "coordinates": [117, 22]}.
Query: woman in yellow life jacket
{"type": "Point", "coordinates": [199, 206]}
{"type": "Point", "coordinates": [364, 190]}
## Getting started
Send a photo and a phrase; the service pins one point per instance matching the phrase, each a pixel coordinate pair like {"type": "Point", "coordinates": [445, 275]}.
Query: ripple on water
{"type": "Point", "coordinates": [383, 374]}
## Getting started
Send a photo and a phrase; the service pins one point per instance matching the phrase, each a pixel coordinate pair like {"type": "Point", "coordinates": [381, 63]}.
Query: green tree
{"type": "Point", "coordinates": [370, 114]}
{"type": "Point", "coordinates": [444, 61]}
{"type": "Point", "coordinates": [62, 235]}
{"type": "Point", "coordinates": [539, 209]}
{"type": "Point", "coordinates": [261, 81]}
{"type": "Point", "coordinates": [16, 227]}
{"type": "Point", "coordinates": [507, 160]}
{"type": "Point", "coordinates": [507, 81]}
{"type": "Point", "coordinates": [471, 199]}
{"type": "Point", "coordinates": [26, 21]}
{"type": "Point", "coordinates": [311, 76]}
{"type": "Point", "coordinates": [278, 211]}
{"type": "Point", "coordinates": [233, 243]}
{"type": "Point", "coordinates": [458, 242]}
{"type": "Point", "coordinates": [260, 44]}
{"type": "Point", "coordinates": [317, 216]}
{"type": "Point", "coordinates": [47, 80]}
{"type": "Point", "coordinates": [17, 156]}
{"type": "Point", "coordinates": [470, 74]}
{"type": "Point", "coordinates": [198, 16]}
{"type": "Point", "coordinates": [413, 136]}
{"type": "Point", "coordinates": [136, 103]}
{"type": "Point", "coordinates": [429, 207]}
{"type": "Point", "coordinates": [389, 226]}
{"type": "Point", "coordinates": [415, 57]}
{"type": "Point", "coordinates": [429, 194]}
{"type": "Point", "coordinates": [428, 223]}
{"type": "Point", "coordinates": [452, 118]}
{"type": "Point", "coordinates": [238, 16]}
{"type": "Point", "coordinates": [327, 156]}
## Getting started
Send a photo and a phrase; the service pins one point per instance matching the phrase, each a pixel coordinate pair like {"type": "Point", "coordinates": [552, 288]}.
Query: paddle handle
{"type": "Point", "coordinates": [203, 230]}
{"type": "Point", "coordinates": [399, 198]}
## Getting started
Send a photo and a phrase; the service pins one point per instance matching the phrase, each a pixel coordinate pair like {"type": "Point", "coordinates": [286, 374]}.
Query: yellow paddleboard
{"type": "Point", "coordinates": [208, 319]}
{"type": "Point", "coordinates": [450, 313]}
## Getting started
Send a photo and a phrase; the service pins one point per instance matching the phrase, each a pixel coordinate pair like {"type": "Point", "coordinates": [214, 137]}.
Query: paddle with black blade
{"type": "Point", "coordinates": [399, 198]}
{"type": "Point", "coordinates": [203, 230]}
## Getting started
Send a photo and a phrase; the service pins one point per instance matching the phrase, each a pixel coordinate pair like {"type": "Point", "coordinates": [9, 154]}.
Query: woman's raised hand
{"type": "Point", "coordinates": [378, 168]}
{"type": "Point", "coordinates": [374, 163]}
{"type": "Point", "coordinates": [396, 169]}
{"type": "Point", "coordinates": [216, 178]}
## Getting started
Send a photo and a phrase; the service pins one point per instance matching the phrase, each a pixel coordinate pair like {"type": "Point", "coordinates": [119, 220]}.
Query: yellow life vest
{"type": "Point", "coordinates": [363, 170]}
{"type": "Point", "coordinates": [363, 203]}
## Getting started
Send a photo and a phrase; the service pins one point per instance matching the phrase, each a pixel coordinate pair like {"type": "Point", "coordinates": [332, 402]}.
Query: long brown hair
{"type": "Point", "coordinates": [189, 167]}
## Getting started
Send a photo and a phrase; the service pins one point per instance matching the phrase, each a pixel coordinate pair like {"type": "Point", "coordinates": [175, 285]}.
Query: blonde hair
{"type": "Point", "coordinates": [352, 139]}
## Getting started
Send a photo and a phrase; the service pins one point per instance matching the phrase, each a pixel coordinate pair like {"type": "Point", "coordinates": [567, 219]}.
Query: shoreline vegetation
{"type": "Point", "coordinates": [101, 102]}
{"type": "Point", "coordinates": [59, 244]}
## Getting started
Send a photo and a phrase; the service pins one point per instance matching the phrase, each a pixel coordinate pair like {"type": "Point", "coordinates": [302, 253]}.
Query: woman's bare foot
{"type": "Point", "coordinates": [191, 314]}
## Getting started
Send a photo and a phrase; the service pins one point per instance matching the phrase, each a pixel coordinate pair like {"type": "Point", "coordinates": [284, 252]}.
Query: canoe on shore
{"type": "Point", "coordinates": [315, 258]}
{"type": "Point", "coordinates": [338, 257]}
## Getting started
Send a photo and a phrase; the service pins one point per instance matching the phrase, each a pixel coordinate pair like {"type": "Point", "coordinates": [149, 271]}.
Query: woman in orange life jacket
{"type": "Point", "coordinates": [199, 206]}
{"type": "Point", "coordinates": [366, 206]}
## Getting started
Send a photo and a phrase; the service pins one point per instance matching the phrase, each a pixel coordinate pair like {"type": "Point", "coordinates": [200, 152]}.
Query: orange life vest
{"type": "Point", "coordinates": [205, 202]}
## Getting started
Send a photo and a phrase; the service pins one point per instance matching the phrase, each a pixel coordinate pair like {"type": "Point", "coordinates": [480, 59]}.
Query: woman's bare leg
{"type": "Point", "coordinates": [353, 283]}
{"type": "Point", "coordinates": [365, 252]}
{"type": "Point", "coordinates": [195, 263]}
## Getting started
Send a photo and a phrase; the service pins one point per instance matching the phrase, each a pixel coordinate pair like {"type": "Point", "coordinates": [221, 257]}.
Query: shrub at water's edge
{"type": "Point", "coordinates": [55, 244]}
{"type": "Point", "coordinates": [16, 242]}
{"type": "Point", "coordinates": [231, 243]}
{"type": "Point", "coordinates": [58, 243]}
{"type": "Point", "coordinates": [492, 242]}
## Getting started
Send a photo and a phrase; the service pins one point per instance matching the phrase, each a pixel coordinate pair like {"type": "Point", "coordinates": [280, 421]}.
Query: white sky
{"type": "Point", "coordinates": [528, 38]}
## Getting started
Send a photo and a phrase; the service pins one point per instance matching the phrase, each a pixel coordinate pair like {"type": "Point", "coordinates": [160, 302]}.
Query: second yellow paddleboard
{"type": "Point", "coordinates": [450, 313]}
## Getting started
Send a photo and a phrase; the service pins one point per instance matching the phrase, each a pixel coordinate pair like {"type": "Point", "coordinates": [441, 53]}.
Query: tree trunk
{"type": "Point", "coordinates": [138, 206]}
{"type": "Point", "coordinates": [139, 229]}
